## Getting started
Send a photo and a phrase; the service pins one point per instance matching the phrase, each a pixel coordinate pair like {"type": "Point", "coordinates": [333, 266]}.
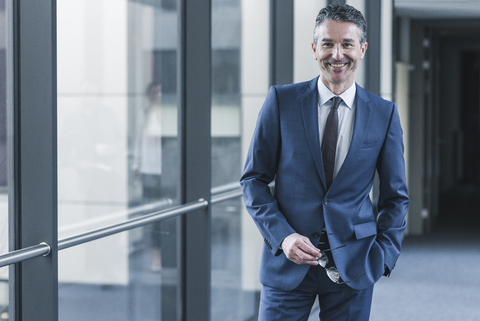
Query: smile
{"type": "Point", "coordinates": [338, 65]}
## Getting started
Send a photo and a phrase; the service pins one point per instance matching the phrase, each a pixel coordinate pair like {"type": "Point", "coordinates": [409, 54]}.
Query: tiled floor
{"type": "Point", "coordinates": [437, 277]}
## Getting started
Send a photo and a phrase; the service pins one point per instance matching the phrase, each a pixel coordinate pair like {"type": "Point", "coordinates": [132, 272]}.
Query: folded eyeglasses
{"type": "Point", "coordinates": [332, 272]}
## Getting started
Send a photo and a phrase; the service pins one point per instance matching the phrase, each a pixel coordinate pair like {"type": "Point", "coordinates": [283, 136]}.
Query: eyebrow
{"type": "Point", "coordinates": [344, 39]}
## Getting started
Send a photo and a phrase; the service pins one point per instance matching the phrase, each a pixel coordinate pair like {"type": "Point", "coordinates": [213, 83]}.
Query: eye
{"type": "Point", "coordinates": [348, 45]}
{"type": "Point", "coordinates": [327, 44]}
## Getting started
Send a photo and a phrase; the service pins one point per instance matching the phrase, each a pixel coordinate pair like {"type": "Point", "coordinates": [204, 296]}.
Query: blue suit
{"type": "Point", "coordinates": [286, 148]}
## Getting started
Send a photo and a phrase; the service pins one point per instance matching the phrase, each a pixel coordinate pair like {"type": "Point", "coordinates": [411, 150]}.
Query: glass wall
{"type": "Point", "coordinates": [226, 91]}
{"type": "Point", "coordinates": [226, 159]}
{"type": "Point", "coordinates": [4, 46]}
{"type": "Point", "coordinates": [145, 294]}
{"type": "Point", "coordinates": [118, 155]}
{"type": "Point", "coordinates": [240, 71]}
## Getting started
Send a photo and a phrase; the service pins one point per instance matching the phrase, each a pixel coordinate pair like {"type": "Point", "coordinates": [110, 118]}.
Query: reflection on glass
{"type": "Point", "coordinates": [230, 295]}
{"type": "Point", "coordinates": [226, 92]}
{"type": "Point", "coordinates": [4, 46]}
{"type": "Point", "coordinates": [146, 292]}
{"type": "Point", "coordinates": [117, 136]}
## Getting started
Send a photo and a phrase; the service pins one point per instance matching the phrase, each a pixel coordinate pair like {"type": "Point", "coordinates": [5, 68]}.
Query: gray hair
{"type": "Point", "coordinates": [342, 13]}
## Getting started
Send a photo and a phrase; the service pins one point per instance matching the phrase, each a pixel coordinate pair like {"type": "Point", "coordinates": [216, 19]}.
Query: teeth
{"type": "Point", "coordinates": [338, 65]}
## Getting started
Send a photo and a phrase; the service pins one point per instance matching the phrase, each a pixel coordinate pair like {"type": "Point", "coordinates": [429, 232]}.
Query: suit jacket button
{"type": "Point", "coordinates": [316, 235]}
{"type": "Point", "coordinates": [326, 201]}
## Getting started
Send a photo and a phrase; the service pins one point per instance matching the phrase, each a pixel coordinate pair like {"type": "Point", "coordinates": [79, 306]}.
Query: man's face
{"type": "Point", "coordinates": [338, 52]}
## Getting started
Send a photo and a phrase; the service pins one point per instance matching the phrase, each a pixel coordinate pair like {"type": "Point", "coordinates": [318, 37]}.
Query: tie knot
{"type": "Point", "coordinates": [336, 102]}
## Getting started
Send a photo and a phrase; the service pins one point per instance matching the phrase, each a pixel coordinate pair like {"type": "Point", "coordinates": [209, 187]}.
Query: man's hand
{"type": "Point", "coordinates": [300, 250]}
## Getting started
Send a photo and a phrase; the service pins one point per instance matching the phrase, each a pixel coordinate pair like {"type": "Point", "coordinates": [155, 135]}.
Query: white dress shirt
{"type": "Point", "coordinates": [346, 119]}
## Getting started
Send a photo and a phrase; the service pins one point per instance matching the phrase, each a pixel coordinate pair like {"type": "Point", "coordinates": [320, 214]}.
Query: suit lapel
{"type": "Point", "coordinates": [363, 113]}
{"type": "Point", "coordinates": [309, 107]}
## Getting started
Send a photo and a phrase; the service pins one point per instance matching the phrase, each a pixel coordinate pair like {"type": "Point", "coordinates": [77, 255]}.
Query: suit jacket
{"type": "Point", "coordinates": [286, 148]}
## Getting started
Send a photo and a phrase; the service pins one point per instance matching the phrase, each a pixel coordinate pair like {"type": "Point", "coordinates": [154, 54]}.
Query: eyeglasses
{"type": "Point", "coordinates": [332, 272]}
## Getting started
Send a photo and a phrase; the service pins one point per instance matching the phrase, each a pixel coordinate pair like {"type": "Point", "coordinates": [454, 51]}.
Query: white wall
{"type": "Point", "coordinates": [402, 95]}
{"type": "Point", "coordinates": [386, 64]}
{"type": "Point", "coordinates": [305, 12]}
{"type": "Point", "coordinates": [360, 72]}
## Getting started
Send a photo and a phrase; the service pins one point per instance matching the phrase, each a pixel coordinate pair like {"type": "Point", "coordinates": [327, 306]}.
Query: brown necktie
{"type": "Point", "coordinates": [329, 143]}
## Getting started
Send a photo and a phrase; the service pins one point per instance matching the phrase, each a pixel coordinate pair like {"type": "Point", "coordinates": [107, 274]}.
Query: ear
{"type": "Point", "coordinates": [363, 48]}
{"type": "Point", "coordinates": [314, 51]}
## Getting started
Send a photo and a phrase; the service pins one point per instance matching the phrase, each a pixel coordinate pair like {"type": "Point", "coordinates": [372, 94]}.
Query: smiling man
{"type": "Point", "coordinates": [338, 46]}
{"type": "Point", "coordinates": [322, 142]}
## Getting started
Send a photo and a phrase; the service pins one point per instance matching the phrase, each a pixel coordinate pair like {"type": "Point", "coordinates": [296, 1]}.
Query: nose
{"type": "Point", "coordinates": [337, 53]}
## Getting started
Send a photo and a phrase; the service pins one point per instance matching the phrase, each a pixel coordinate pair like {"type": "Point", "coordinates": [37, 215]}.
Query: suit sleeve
{"type": "Point", "coordinates": [393, 199]}
{"type": "Point", "coordinates": [260, 170]}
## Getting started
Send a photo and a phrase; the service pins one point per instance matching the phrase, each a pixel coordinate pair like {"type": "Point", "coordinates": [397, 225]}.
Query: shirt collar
{"type": "Point", "coordinates": [324, 94]}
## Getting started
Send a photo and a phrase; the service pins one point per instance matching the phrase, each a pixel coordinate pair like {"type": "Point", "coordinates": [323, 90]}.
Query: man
{"type": "Point", "coordinates": [321, 236]}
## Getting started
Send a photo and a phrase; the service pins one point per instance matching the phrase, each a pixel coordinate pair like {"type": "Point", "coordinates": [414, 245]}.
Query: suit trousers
{"type": "Point", "coordinates": [338, 302]}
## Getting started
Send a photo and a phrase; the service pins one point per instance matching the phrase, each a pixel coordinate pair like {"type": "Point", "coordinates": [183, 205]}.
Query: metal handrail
{"type": "Point", "coordinates": [130, 224]}
{"type": "Point", "coordinates": [42, 249]}
{"type": "Point", "coordinates": [219, 194]}
{"type": "Point", "coordinates": [134, 211]}
{"type": "Point", "coordinates": [226, 195]}
{"type": "Point", "coordinates": [225, 188]}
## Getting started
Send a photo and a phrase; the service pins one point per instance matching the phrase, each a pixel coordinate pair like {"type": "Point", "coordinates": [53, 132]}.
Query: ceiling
{"type": "Point", "coordinates": [438, 9]}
